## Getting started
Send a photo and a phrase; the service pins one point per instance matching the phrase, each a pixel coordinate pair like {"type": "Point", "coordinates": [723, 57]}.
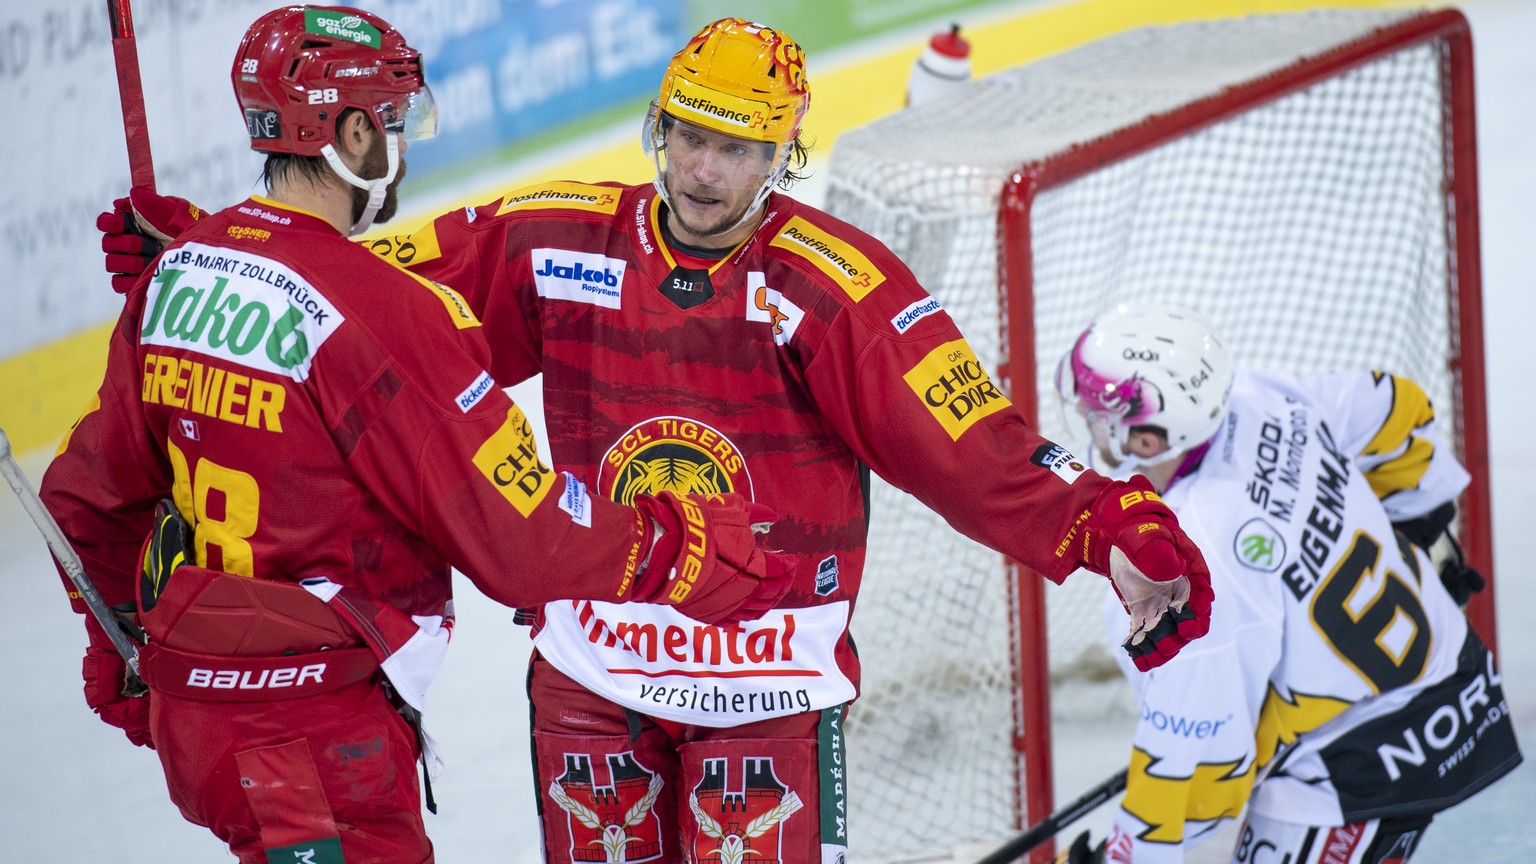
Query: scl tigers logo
{"type": "Point", "coordinates": [672, 454]}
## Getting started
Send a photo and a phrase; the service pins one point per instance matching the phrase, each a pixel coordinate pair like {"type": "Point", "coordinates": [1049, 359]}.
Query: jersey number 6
{"type": "Point", "coordinates": [1374, 622]}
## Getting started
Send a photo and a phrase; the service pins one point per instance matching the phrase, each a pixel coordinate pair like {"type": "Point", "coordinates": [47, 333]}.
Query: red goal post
{"type": "Point", "coordinates": [1309, 181]}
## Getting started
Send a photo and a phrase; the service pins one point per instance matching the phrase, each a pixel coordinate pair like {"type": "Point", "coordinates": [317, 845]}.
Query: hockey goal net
{"type": "Point", "coordinates": [1307, 180]}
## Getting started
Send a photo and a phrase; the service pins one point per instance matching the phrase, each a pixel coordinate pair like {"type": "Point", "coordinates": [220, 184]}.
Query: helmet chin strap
{"type": "Point", "coordinates": [1127, 464]}
{"type": "Point", "coordinates": [376, 188]}
{"type": "Point", "coordinates": [1130, 463]}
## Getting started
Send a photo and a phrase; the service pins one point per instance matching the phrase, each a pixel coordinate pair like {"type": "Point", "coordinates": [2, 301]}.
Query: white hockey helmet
{"type": "Point", "coordinates": [1147, 363]}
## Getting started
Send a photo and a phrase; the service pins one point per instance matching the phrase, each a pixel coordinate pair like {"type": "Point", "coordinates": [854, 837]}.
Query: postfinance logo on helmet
{"type": "Point", "coordinates": [695, 104]}
{"type": "Point", "coordinates": [741, 79]}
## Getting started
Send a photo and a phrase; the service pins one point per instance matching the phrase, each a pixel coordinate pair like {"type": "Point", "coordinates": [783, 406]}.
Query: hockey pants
{"type": "Point", "coordinates": [611, 783]}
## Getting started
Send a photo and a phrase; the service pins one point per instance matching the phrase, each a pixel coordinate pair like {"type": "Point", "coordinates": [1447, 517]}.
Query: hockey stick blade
{"type": "Point", "coordinates": [1046, 828]}
{"type": "Point", "coordinates": [65, 554]}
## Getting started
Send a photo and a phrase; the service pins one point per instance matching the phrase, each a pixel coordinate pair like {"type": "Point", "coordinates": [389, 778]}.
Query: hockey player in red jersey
{"type": "Point", "coordinates": [706, 332]}
{"type": "Point", "coordinates": [327, 425]}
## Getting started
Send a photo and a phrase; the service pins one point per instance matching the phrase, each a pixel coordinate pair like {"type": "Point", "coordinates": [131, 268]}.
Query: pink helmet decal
{"type": "Point", "coordinates": [1126, 398]}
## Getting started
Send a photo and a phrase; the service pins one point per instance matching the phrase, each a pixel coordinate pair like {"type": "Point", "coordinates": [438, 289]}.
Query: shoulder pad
{"type": "Point", "coordinates": [562, 195]}
{"type": "Point", "coordinates": [458, 310]}
{"type": "Point", "coordinates": [840, 260]}
{"type": "Point", "coordinates": [405, 250]}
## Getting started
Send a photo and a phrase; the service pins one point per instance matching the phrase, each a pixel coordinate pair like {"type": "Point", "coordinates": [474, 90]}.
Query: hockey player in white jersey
{"type": "Point", "coordinates": [1340, 699]}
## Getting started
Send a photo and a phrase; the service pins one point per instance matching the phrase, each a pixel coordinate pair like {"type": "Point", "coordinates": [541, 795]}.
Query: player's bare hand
{"type": "Point", "coordinates": [1159, 573]}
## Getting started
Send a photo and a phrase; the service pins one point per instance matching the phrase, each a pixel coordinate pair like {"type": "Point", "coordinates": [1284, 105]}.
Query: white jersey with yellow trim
{"type": "Point", "coordinates": [1339, 681]}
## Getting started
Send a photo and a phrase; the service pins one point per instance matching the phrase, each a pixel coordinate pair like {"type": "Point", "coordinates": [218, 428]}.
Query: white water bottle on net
{"type": "Point", "coordinates": [944, 66]}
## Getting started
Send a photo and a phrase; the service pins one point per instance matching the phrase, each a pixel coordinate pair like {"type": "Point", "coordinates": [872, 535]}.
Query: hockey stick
{"type": "Point", "coordinates": [1021, 845]}
{"type": "Point", "coordinates": [66, 556]}
{"type": "Point", "coordinates": [130, 90]}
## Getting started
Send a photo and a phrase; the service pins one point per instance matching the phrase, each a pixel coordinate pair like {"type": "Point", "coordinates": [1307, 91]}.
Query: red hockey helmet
{"type": "Point", "coordinates": [299, 67]}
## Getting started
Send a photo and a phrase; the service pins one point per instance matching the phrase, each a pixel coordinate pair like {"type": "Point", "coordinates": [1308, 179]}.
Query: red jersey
{"type": "Point", "coordinates": [782, 371]}
{"type": "Point", "coordinates": [317, 412]}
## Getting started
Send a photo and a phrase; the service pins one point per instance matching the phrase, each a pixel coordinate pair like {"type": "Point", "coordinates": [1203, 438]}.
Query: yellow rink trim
{"type": "Point", "coordinates": [43, 390]}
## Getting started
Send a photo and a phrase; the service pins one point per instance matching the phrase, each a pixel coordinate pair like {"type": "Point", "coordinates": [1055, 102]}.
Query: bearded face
{"type": "Point", "coordinates": [375, 165]}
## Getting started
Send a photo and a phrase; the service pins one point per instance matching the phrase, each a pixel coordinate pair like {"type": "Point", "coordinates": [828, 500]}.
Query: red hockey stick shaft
{"type": "Point", "coordinates": [130, 90]}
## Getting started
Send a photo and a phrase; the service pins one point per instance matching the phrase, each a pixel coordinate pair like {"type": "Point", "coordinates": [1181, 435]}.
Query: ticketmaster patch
{"type": "Point", "coordinates": [1059, 460]}
{"type": "Point", "coordinates": [475, 392]}
{"type": "Point", "coordinates": [915, 313]}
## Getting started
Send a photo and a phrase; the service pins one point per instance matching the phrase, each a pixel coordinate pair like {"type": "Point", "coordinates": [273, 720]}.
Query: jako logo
{"type": "Point", "coordinates": [239, 306]}
{"type": "Point", "coordinates": [584, 277]}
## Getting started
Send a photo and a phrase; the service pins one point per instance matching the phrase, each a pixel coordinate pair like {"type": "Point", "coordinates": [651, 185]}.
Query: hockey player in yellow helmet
{"type": "Point", "coordinates": [725, 128]}
{"type": "Point", "coordinates": [710, 334]}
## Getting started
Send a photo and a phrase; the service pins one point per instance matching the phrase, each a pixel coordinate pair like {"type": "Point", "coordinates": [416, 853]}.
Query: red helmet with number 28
{"type": "Point", "coordinates": [299, 67]}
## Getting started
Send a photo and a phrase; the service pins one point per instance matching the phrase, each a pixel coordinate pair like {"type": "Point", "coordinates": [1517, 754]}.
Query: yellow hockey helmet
{"type": "Point", "coordinates": [740, 79]}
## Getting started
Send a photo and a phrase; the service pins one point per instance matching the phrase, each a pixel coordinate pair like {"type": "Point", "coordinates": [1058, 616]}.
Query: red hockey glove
{"type": "Point", "coordinates": [1132, 537]}
{"type": "Point", "coordinates": [132, 244]}
{"type": "Point", "coordinates": [705, 559]}
{"type": "Point", "coordinates": [106, 680]}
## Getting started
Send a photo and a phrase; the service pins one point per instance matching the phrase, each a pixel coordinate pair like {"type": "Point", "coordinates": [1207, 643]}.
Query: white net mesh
{"type": "Point", "coordinates": [1311, 228]}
